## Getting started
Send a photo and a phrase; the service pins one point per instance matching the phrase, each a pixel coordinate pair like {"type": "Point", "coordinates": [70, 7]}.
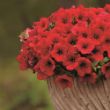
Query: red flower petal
{"type": "Point", "coordinates": [64, 81]}
{"type": "Point", "coordinates": [84, 66]}
{"type": "Point", "coordinates": [85, 46]}
{"type": "Point", "coordinates": [59, 51]}
{"type": "Point", "coordinates": [106, 70]}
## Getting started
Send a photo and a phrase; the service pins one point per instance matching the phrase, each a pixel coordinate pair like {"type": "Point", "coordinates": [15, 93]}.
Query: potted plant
{"type": "Point", "coordinates": [71, 50]}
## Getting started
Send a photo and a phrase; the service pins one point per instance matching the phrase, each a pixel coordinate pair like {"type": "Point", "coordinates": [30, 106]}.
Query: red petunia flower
{"type": "Point", "coordinates": [107, 8]}
{"type": "Point", "coordinates": [42, 24]}
{"type": "Point", "coordinates": [40, 74]}
{"type": "Point", "coordinates": [42, 33]}
{"type": "Point", "coordinates": [92, 78]}
{"type": "Point", "coordinates": [43, 47]}
{"type": "Point", "coordinates": [83, 29]}
{"type": "Point", "coordinates": [72, 39]}
{"type": "Point", "coordinates": [70, 58]}
{"type": "Point", "coordinates": [54, 38]}
{"type": "Point", "coordinates": [65, 17]}
{"type": "Point", "coordinates": [27, 59]}
{"type": "Point", "coordinates": [106, 70]}
{"type": "Point", "coordinates": [62, 29]}
{"type": "Point", "coordinates": [85, 46]}
{"type": "Point", "coordinates": [68, 40]}
{"type": "Point", "coordinates": [97, 53]}
{"type": "Point", "coordinates": [26, 34]}
{"type": "Point", "coordinates": [46, 65]}
{"type": "Point", "coordinates": [81, 13]}
{"type": "Point", "coordinates": [98, 24]}
{"type": "Point", "coordinates": [97, 36]}
{"type": "Point", "coordinates": [21, 60]}
{"type": "Point", "coordinates": [84, 66]}
{"type": "Point", "coordinates": [64, 81]}
{"type": "Point", "coordinates": [59, 52]}
{"type": "Point", "coordinates": [106, 50]}
{"type": "Point", "coordinates": [106, 39]}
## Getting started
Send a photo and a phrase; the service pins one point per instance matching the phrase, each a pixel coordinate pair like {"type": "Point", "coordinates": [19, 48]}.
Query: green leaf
{"type": "Point", "coordinates": [95, 63]}
{"type": "Point", "coordinates": [51, 26]}
{"type": "Point", "coordinates": [106, 59]}
{"type": "Point", "coordinates": [74, 72]}
{"type": "Point", "coordinates": [98, 67]}
{"type": "Point", "coordinates": [94, 66]}
{"type": "Point", "coordinates": [101, 63]}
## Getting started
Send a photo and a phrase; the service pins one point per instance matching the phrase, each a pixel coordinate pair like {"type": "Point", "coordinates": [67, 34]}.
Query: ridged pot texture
{"type": "Point", "coordinates": [82, 96]}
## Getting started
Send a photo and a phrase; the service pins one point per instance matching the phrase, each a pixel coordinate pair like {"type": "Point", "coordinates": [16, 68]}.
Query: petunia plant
{"type": "Point", "coordinates": [69, 43]}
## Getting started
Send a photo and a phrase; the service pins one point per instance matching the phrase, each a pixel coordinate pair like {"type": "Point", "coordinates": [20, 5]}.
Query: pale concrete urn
{"type": "Point", "coordinates": [82, 96]}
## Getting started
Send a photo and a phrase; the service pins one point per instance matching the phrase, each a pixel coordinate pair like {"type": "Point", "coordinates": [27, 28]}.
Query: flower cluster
{"type": "Point", "coordinates": [70, 43]}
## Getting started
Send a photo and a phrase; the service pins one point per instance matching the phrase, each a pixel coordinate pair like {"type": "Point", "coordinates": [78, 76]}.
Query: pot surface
{"type": "Point", "coordinates": [82, 96]}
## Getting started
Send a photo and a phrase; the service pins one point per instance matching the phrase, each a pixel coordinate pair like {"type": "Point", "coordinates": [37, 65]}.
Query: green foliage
{"type": "Point", "coordinates": [21, 90]}
{"type": "Point", "coordinates": [15, 16]}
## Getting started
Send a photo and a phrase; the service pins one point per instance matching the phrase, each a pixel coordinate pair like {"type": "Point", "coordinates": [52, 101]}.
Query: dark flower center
{"type": "Point", "coordinates": [72, 41]}
{"type": "Point", "coordinates": [48, 63]}
{"type": "Point", "coordinates": [105, 54]}
{"type": "Point", "coordinates": [108, 68]}
{"type": "Point", "coordinates": [85, 46]}
{"type": "Point", "coordinates": [59, 52]}
{"type": "Point", "coordinates": [84, 35]}
{"type": "Point", "coordinates": [107, 40]}
{"type": "Point", "coordinates": [88, 21]}
{"type": "Point", "coordinates": [74, 21]}
{"type": "Point", "coordinates": [43, 25]}
{"type": "Point", "coordinates": [82, 64]}
{"type": "Point", "coordinates": [101, 28]}
{"type": "Point", "coordinates": [95, 51]}
{"type": "Point", "coordinates": [65, 20]}
{"type": "Point", "coordinates": [80, 17]}
{"type": "Point", "coordinates": [64, 81]}
{"type": "Point", "coordinates": [68, 32]}
{"type": "Point", "coordinates": [72, 59]}
{"type": "Point", "coordinates": [96, 36]}
{"type": "Point", "coordinates": [55, 40]}
{"type": "Point", "coordinates": [87, 76]}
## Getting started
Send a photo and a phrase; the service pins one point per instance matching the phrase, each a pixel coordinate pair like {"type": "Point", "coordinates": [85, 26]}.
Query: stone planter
{"type": "Point", "coordinates": [82, 96]}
